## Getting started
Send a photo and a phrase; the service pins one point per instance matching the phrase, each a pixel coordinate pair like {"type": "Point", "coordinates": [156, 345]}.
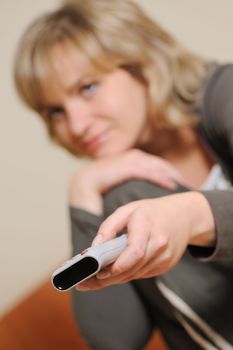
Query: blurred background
{"type": "Point", "coordinates": [34, 175]}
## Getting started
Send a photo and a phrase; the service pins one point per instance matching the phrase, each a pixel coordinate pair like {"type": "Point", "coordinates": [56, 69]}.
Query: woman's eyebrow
{"type": "Point", "coordinates": [77, 82]}
{"type": "Point", "coordinates": [74, 84]}
{"type": "Point", "coordinates": [48, 107]}
{"type": "Point", "coordinates": [90, 75]}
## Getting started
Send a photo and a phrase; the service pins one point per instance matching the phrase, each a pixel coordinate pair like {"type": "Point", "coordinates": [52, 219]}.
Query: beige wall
{"type": "Point", "coordinates": [34, 229]}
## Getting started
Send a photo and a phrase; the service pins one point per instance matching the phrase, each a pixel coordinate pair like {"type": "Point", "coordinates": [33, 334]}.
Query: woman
{"type": "Point", "coordinates": [156, 123]}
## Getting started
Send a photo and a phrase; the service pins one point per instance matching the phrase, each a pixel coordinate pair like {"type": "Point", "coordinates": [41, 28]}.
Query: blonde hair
{"type": "Point", "coordinates": [114, 33]}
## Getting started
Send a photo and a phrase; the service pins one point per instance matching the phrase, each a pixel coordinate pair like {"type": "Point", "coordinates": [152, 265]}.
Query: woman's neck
{"type": "Point", "coordinates": [167, 143]}
{"type": "Point", "coordinates": [184, 149]}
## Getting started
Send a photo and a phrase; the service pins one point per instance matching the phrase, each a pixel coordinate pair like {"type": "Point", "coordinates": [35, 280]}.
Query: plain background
{"type": "Point", "coordinates": [34, 174]}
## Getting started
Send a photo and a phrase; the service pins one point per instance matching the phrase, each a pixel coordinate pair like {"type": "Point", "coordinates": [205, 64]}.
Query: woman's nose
{"type": "Point", "coordinates": [79, 118]}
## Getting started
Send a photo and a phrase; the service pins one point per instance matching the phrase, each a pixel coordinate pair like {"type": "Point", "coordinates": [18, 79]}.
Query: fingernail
{"type": "Point", "coordinates": [102, 275]}
{"type": "Point", "coordinates": [98, 239]}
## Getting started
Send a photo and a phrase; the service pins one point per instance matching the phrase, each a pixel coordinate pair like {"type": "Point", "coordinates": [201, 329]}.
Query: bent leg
{"type": "Point", "coordinates": [133, 190]}
{"type": "Point", "coordinates": [160, 311]}
{"type": "Point", "coordinates": [116, 317]}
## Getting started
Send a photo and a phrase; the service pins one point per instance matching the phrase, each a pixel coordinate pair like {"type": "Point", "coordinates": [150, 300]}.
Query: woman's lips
{"type": "Point", "coordinates": [96, 141]}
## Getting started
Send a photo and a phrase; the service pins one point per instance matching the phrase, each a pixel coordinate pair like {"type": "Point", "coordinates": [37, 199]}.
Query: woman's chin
{"type": "Point", "coordinates": [109, 152]}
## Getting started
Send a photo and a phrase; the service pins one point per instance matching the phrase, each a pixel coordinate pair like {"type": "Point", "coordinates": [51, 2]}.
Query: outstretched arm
{"type": "Point", "coordinates": [159, 232]}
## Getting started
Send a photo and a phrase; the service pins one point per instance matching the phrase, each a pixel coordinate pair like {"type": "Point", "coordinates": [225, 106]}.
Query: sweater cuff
{"type": "Point", "coordinates": [221, 203]}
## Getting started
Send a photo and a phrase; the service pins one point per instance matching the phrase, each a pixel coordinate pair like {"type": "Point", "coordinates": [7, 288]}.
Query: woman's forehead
{"type": "Point", "coordinates": [64, 60]}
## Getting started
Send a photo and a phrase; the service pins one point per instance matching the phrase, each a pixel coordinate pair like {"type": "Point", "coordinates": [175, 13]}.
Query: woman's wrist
{"type": "Point", "coordinates": [81, 195]}
{"type": "Point", "coordinates": [203, 231]}
{"type": "Point", "coordinates": [87, 201]}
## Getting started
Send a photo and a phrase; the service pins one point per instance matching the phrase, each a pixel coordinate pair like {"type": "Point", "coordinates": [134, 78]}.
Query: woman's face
{"type": "Point", "coordinates": [91, 113]}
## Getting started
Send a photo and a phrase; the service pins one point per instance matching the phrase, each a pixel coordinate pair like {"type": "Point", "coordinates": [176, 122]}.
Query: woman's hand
{"type": "Point", "coordinates": [92, 181]}
{"type": "Point", "coordinates": [159, 231]}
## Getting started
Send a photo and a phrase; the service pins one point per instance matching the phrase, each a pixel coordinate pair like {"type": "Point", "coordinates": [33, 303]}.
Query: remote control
{"type": "Point", "coordinates": [88, 263]}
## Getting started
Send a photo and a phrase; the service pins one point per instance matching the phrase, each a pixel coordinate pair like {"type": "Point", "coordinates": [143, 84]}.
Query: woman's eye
{"type": "Point", "coordinates": [88, 90]}
{"type": "Point", "coordinates": [55, 113]}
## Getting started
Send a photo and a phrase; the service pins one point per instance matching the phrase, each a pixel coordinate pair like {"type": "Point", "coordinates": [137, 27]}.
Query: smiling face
{"type": "Point", "coordinates": [93, 113]}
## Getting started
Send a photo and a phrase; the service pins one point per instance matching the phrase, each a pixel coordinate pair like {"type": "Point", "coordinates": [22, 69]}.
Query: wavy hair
{"type": "Point", "coordinates": [114, 33]}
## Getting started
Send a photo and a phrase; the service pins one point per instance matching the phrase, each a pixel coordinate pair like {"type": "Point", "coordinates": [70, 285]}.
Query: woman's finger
{"type": "Point", "coordinates": [114, 223]}
{"type": "Point", "coordinates": [138, 228]}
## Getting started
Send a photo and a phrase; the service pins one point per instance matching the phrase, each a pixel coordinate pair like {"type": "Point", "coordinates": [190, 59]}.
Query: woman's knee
{"type": "Point", "coordinates": [129, 191]}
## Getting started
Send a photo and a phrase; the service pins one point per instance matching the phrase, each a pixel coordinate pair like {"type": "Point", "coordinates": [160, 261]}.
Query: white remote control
{"type": "Point", "coordinates": [88, 263]}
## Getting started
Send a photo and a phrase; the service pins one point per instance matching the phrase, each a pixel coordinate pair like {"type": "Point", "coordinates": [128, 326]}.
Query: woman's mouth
{"type": "Point", "coordinates": [96, 141]}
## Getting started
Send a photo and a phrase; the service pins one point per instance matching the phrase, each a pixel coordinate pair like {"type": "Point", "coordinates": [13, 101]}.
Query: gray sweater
{"type": "Point", "coordinates": [216, 128]}
{"type": "Point", "coordinates": [192, 304]}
